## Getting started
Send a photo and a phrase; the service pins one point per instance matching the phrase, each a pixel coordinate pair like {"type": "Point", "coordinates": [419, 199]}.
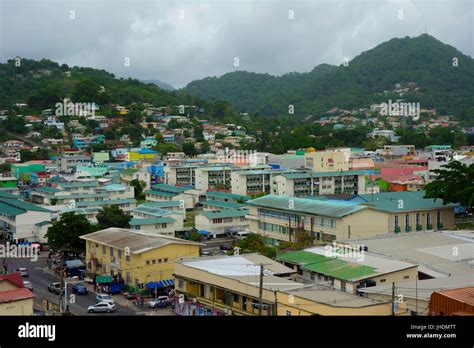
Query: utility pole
{"type": "Point", "coordinates": [393, 298]}
{"type": "Point", "coordinates": [61, 288]}
{"type": "Point", "coordinates": [260, 291]}
{"type": "Point", "coordinates": [416, 294]}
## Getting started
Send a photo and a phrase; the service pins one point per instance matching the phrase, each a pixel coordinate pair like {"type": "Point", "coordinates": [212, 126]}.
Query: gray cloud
{"type": "Point", "coordinates": [212, 33]}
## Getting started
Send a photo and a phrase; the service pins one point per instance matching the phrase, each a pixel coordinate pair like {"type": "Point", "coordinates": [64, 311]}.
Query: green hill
{"type": "Point", "coordinates": [423, 60]}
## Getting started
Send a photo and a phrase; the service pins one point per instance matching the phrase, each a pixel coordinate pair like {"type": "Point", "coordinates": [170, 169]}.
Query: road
{"type": "Point", "coordinates": [41, 280]}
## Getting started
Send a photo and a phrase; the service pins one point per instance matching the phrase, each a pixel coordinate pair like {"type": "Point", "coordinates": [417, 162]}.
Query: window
{"type": "Point", "coordinates": [242, 218]}
{"type": "Point", "coordinates": [343, 286]}
{"type": "Point", "coordinates": [165, 259]}
{"type": "Point", "coordinates": [406, 277]}
{"type": "Point", "coordinates": [382, 280]}
{"type": "Point", "coordinates": [89, 243]}
{"type": "Point", "coordinates": [153, 262]}
{"type": "Point", "coordinates": [236, 298]}
{"type": "Point", "coordinates": [119, 253]}
{"type": "Point", "coordinates": [159, 260]}
{"type": "Point", "coordinates": [104, 249]}
{"type": "Point", "coordinates": [428, 219]}
{"type": "Point", "coordinates": [396, 221]}
{"type": "Point", "coordinates": [216, 221]}
{"type": "Point", "coordinates": [312, 276]}
{"type": "Point", "coordinates": [147, 262]}
{"type": "Point", "coordinates": [127, 258]}
{"type": "Point", "coordinates": [111, 252]}
{"type": "Point", "coordinates": [438, 218]}
{"type": "Point", "coordinates": [418, 222]}
{"type": "Point", "coordinates": [288, 313]}
{"type": "Point", "coordinates": [407, 220]}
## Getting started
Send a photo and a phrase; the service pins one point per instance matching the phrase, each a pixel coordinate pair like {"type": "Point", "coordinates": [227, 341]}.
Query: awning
{"type": "Point", "coordinates": [160, 284]}
{"type": "Point", "coordinates": [203, 232]}
{"type": "Point", "coordinates": [74, 264]}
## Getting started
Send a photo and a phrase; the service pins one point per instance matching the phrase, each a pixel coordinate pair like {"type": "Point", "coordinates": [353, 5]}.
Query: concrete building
{"type": "Point", "coordinates": [319, 183]}
{"type": "Point", "coordinates": [285, 218]}
{"type": "Point", "coordinates": [137, 257]}
{"type": "Point", "coordinates": [327, 161]}
{"type": "Point", "coordinates": [165, 192]}
{"type": "Point", "coordinates": [156, 220]}
{"type": "Point", "coordinates": [220, 222]}
{"type": "Point", "coordinates": [15, 299]}
{"type": "Point", "coordinates": [252, 182]}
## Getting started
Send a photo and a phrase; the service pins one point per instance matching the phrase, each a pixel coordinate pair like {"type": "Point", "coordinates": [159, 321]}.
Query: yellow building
{"type": "Point", "coordinates": [284, 218]}
{"type": "Point", "coordinates": [15, 299]}
{"type": "Point", "coordinates": [137, 257]}
{"type": "Point", "coordinates": [327, 161]}
{"type": "Point", "coordinates": [142, 154]}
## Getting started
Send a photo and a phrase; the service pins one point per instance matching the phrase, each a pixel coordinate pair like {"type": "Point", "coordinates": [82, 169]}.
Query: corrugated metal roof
{"type": "Point", "coordinates": [228, 195]}
{"type": "Point", "coordinates": [160, 220]}
{"type": "Point", "coordinates": [15, 295]}
{"type": "Point", "coordinates": [303, 205]}
{"type": "Point", "coordinates": [161, 193]}
{"type": "Point", "coordinates": [224, 213]}
{"type": "Point", "coordinates": [136, 241]}
{"type": "Point", "coordinates": [10, 210]}
{"type": "Point", "coordinates": [465, 295]}
{"type": "Point", "coordinates": [322, 174]}
{"type": "Point", "coordinates": [170, 188]}
{"type": "Point", "coordinates": [393, 206]}
{"type": "Point", "coordinates": [222, 204]}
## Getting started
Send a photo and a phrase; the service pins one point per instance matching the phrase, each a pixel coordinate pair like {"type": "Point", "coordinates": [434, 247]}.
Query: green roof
{"type": "Point", "coordinates": [106, 202]}
{"type": "Point", "coordinates": [310, 206]}
{"type": "Point", "coordinates": [409, 205]}
{"type": "Point", "coordinates": [341, 269]}
{"type": "Point", "coordinates": [78, 184]}
{"type": "Point", "coordinates": [160, 220]}
{"type": "Point", "coordinates": [161, 204]}
{"type": "Point", "coordinates": [329, 266]}
{"type": "Point", "coordinates": [386, 196]}
{"type": "Point", "coordinates": [170, 188]}
{"type": "Point", "coordinates": [47, 189]}
{"type": "Point", "coordinates": [4, 194]}
{"type": "Point", "coordinates": [10, 210]}
{"type": "Point", "coordinates": [129, 171]}
{"type": "Point", "coordinates": [227, 195]}
{"type": "Point", "coordinates": [161, 193]}
{"type": "Point", "coordinates": [23, 205]}
{"type": "Point", "coordinates": [83, 195]}
{"type": "Point", "coordinates": [222, 204]}
{"type": "Point", "coordinates": [224, 213]}
{"type": "Point", "coordinates": [322, 174]}
{"type": "Point", "coordinates": [43, 223]}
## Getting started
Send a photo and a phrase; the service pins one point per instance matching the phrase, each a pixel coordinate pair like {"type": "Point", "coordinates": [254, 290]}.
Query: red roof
{"type": "Point", "coordinates": [14, 278]}
{"type": "Point", "coordinates": [21, 293]}
{"type": "Point", "coordinates": [394, 174]}
{"type": "Point", "coordinates": [15, 295]}
{"type": "Point", "coordinates": [465, 295]}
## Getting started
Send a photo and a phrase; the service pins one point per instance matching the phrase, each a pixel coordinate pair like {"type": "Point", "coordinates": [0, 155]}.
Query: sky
{"type": "Point", "coordinates": [183, 40]}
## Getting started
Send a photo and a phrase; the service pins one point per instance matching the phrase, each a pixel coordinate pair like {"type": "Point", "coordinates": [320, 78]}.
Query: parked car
{"type": "Point", "coordinates": [55, 287]}
{"type": "Point", "coordinates": [104, 298]}
{"type": "Point", "coordinates": [28, 285]}
{"type": "Point", "coordinates": [206, 253]}
{"type": "Point", "coordinates": [160, 301]}
{"type": "Point", "coordinates": [225, 247]}
{"type": "Point", "coordinates": [79, 289]}
{"type": "Point", "coordinates": [23, 271]}
{"type": "Point", "coordinates": [102, 307]}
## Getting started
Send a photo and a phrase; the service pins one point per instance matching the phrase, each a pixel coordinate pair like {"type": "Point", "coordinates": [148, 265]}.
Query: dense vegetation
{"type": "Point", "coordinates": [423, 60]}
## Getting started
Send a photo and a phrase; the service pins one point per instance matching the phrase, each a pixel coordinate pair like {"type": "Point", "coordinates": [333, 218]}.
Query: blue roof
{"type": "Point", "coordinates": [160, 284]}
{"type": "Point", "coordinates": [146, 151]}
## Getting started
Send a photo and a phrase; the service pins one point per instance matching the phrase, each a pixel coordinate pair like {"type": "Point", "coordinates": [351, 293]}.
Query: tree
{"type": "Point", "coordinates": [454, 184]}
{"type": "Point", "coordinates": [139, 186]}
{"type": "Point", "coordinates": [189, 149]}
{"type": "Point", "coordinates": [112, 216]}
{"type": "Point", "coordinates": [64, 234]}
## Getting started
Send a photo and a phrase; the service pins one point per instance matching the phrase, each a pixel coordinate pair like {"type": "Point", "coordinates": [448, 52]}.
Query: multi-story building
{"type": "Point", "coordinates": [286, 218]}
{"type": "Point", "coordinates": [327, 161]}
{"type": "Point", "coordinates": [156, 220]}
{"type": "Point", "coordinates": [251, 182]}
{"type": "Point", "coordinates": [180, 175]}
{"type": "Point", "coordinates": [303, 184]}
{"type": "Point", "coordinates": [165, 192]}
{"type": "Point", "coordinates": [220, 222]}
{"type": "Point", "coordinates": [219, 177]}
{"type": "Point", "coordinates": [140, 258]}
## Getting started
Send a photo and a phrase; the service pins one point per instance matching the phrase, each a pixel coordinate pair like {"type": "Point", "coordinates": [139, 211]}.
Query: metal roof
{"type": "Point", "coordinates": [23, 205]}
{"type": "Point", "coordinates": [10, 210]}
{"type": "Point", "coordinates": [228, 195]}
{"type": "Point", "coordinates": [160, 220]}
{"type": "Point", "coordinates": [216, 214]}
{"type": "Point", "coordinates": [394, 206]}
{"type": "Point", "coordinates": [161, 193]}
{"type": "Point", "coordinates": [322, 174]}
{"type": "Point", "coordinates": [137, 241]}
{"type": "Point", "coordinates": [222, 204]}
{"type": "Point", "coordinates": [169, 188]}
{"type": "Point", "coordinates": [310, 206]}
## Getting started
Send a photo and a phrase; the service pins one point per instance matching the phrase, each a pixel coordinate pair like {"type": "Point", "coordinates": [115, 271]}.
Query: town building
{"type": "Point", "coordinates": [15, 299]}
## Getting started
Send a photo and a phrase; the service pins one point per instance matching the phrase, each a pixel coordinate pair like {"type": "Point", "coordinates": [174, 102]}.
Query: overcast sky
{"type": "Point", "coordinates": [183, 40]}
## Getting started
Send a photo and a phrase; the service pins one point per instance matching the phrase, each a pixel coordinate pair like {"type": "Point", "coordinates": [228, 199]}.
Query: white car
{"type": "Point", "coordinates": [104, 298]}
{"type": "Point", "coordinates": [28, 285]}
{"type": "Point", "coordinates": [23, 271]}
{"type": "Point", "coordinates": [102, 307]}
{"type": "Point", "coordinates": [160, 301]}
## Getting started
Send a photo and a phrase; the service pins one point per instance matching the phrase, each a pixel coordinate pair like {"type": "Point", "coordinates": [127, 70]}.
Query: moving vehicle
{"type": "Point", "coordinates": [160, 301]}
{"type": "Point", "coordinates": [23, 271]}
{"type": "Point", "coordinates": [102, 307]}
{"type": "Point", "coordinates": [79, 289]}
{"type": "Point", "coordinates": [55, 287]}
{"type": "Point", "coordinates": [104, 298]}
{"type": "Point", "coordinates": [28, 285]}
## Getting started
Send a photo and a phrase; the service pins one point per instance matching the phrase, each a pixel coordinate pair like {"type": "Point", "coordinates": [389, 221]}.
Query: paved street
{"type": "Point", "coordinates": [41, 279]}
